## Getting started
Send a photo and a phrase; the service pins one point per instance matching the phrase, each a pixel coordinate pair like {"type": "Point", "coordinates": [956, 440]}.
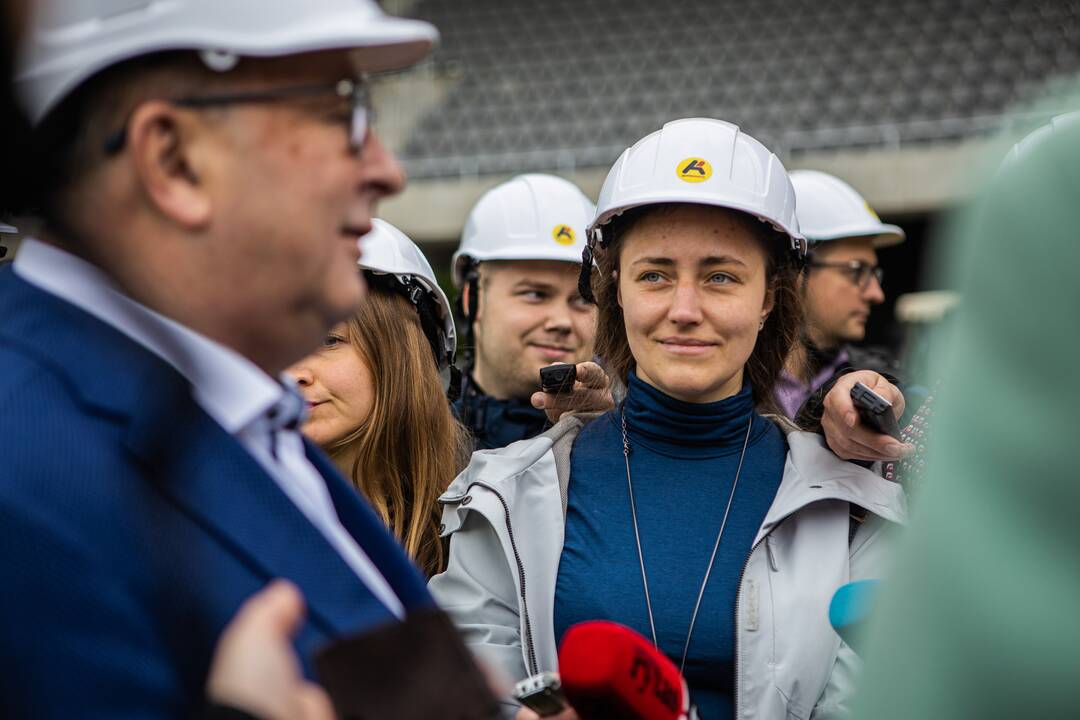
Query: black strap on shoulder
{"type": "Point", "coordinates": [585, 276]}
{"type": "Point", "coordinates": [466, 313]}
{"type": "Point", "coordinates": [857, 516]}
{"type": "Point", "coordinates": [425, 304]}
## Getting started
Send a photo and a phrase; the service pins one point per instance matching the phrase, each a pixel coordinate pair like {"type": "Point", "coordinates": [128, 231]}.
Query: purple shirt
{"type": "Point", "coordinates": [791, 392]}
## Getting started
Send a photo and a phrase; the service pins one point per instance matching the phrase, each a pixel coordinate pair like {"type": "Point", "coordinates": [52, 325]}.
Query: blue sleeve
{"type": "Point", "coordinates": [78, 634]}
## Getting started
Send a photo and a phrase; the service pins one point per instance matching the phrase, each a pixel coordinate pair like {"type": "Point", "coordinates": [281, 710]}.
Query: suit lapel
{"type": "Point", "coordinates": [213, 479]}
{"type": "Point", "coordinates": [202, 470]}
{"type": "Point", "coordinates": [368, 530]}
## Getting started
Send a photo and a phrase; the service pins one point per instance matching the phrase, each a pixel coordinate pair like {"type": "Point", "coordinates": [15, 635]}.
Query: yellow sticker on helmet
{"type": "Point", "coordinates": [871, 211]}
{"type": "Point", "coordinates": [563, 234]}
{"type": "Point", "coordinates": [694, 170]}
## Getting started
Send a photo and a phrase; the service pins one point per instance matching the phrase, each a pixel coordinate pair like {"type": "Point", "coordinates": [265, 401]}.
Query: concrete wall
{"type": "Point", "coordinates": [913, 180]}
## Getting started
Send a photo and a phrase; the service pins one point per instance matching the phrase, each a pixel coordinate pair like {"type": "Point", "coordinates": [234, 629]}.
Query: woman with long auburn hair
{"type": "Point", "coordinates": [376, 399]}
{"type": "Point", "coordinates": [690, 512]}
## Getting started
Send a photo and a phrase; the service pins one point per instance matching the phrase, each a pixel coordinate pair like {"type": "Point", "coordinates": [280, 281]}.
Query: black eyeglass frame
{"type": "Point", "coordinates": [859, 271]}
{"type": "Point", "coordinates": [363, 114]}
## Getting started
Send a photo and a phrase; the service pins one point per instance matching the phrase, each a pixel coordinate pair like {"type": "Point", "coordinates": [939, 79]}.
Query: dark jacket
{"type": "Point", "coordinates": [496, 423]}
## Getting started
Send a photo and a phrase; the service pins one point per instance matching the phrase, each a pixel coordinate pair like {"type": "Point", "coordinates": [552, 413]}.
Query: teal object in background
{"type": "Point", "coordinates": [850, 606]}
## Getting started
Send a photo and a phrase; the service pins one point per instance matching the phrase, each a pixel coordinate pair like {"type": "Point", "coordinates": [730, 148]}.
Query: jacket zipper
{"type": "Point", "coordinates": [533, 665]}
{"type": "Point", "coordinates": [738, 615]}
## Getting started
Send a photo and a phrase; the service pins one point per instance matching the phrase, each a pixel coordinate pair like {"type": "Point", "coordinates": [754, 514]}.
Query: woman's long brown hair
{"type": "Point", "coordinates": [411, 447]}
{"type": "Point", "coordinates": [775, 340]}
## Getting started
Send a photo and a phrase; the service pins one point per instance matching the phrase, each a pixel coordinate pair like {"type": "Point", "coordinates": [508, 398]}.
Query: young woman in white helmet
{"type": "Point", "coordinates": [376, 399]}
{"type": "Point", "coordinates": [517, 268]}
{"type": "Point", "coordinates": [686, 513]}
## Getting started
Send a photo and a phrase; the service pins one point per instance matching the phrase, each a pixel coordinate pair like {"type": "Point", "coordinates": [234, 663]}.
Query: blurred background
{"type": "Point", "coordinates": [898, 98]}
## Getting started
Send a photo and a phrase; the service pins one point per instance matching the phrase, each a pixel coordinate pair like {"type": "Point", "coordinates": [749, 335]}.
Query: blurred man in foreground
{"type": "Point", "coordinates": [980, 617]}
{"type": "Point", "coordinates": [205, 171]}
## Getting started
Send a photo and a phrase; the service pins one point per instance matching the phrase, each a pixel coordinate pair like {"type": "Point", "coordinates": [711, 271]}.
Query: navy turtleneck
{"type": "Point", "coordinates": [683, 461]}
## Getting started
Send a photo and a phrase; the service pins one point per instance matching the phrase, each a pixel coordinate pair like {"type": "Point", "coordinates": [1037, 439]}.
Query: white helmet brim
{"type": "Point", "coordinates": [883, 235]}
{"type": "Point", "coordinates": [55, 61]}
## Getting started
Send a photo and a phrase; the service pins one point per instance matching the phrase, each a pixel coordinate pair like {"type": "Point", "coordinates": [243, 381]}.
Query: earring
{"type": "Point", "coordinates": [762, 325]}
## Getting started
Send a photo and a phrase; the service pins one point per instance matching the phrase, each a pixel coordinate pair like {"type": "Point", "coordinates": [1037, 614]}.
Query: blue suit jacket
{"type": "Point", "coordinates": [133, 526]}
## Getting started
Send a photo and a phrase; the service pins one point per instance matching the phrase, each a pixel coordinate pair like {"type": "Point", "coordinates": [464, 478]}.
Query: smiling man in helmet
{"type": "Point", "coordinates": [841, 284]}
{"type": "Point", "coordinates": [205, 172]}
{"type": "Point", "coordinates": [518, 267]}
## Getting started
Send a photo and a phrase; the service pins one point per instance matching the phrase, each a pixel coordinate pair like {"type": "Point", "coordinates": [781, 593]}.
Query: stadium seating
{"type": "Point", "coordinates": [563, 84]}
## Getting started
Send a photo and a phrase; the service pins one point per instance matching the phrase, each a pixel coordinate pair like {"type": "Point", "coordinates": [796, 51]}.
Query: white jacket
{"type": "Point", "coordinates": [505, 517]}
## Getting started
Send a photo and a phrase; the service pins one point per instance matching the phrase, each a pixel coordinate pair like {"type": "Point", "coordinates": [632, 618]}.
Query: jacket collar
{"type": "Point", "coordinates": [227, 385]}
{"type": "Point", "coordinates": [497, 465]}
{"type": "Point", "coordinates": [812, 472]}
{"type": "Point", "coordinates": [202, 470]}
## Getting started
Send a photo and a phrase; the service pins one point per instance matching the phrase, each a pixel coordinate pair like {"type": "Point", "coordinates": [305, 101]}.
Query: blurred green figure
{"type": "Point", "coordinates": [981, 616]}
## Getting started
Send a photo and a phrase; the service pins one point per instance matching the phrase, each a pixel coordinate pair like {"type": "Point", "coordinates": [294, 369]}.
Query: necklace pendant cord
{"type": "Point", "coordinates": [712, 556]}
{"type": "Point", "coordinates": [637, 534]}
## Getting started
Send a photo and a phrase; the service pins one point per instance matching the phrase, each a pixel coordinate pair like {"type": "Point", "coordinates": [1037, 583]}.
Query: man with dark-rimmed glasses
{"type": "Point", "coordinates": [203, 172]}
{"type": "Point", "coordinates": [841, 283]}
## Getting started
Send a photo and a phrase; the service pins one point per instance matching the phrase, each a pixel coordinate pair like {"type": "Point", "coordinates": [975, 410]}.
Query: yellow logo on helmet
{"type": "Point", "coordinates": [694, 170]}
{"type": "Point", "coordinates": [563, 234]}
{"type": "Point", "coordinates": [871, 211]}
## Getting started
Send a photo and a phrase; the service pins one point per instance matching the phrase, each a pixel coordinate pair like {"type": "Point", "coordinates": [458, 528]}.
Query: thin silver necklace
{"type": "Point", "coordinates": [716, 545]}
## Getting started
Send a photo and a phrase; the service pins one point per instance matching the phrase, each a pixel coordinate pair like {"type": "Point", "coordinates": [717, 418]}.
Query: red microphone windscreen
{"type": "Point", "coordinates": [610, 671]}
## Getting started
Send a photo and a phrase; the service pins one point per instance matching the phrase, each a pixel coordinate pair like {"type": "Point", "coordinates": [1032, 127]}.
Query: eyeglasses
{"type": "Point", "coordinates": [361, 120]}
{"type": "Point", "coordinates": [859, 271]}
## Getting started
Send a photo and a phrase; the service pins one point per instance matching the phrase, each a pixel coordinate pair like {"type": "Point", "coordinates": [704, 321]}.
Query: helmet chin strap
{"type": "Point", "coordinates": [451, 381]}
{"type": "Point", "coordinates": [585, 277]}
{"type": "Point", "coordinates": [467, 313]}
{"type": "Point", "coordinates": [430, 324]}
{"type": "Point", "coordinates": [596, 237]}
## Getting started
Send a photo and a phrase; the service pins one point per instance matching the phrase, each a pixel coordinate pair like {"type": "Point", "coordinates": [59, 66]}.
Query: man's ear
{"type": "Point", "coordinates": [466, 296]}
{"type": "Point", "coordinates": [161, 141]}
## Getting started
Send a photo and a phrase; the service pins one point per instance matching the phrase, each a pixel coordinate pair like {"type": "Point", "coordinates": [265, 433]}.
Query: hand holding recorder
{"type": "Point", "coordinates": [852, 439]}
{"type": "Point", "coordinates": [572, 388]}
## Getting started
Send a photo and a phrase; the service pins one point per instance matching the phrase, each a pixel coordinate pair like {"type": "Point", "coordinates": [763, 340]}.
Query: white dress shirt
{"type": "Point", "coordinates": [229, 387]}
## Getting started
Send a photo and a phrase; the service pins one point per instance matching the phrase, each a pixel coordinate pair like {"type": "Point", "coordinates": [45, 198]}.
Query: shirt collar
{"type": "Point", "coordinates": [228, 386]}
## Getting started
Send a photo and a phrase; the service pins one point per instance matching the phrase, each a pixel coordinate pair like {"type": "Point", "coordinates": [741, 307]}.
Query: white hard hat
{"type": "Point", "coordinates": [8, 229]}
{"type": "Point", "coordinates": [830, 209]}
{"type": "Point", "coordinates": [69, 41]}
{"type": "Point", "coordinates": [1039, 135]}
{"type": "Point", "coordinates": [531, 217]}
{"type": "Point", "coordinates": [701, 161]}
{"type": "Point", "coordinates": [388, 251]}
